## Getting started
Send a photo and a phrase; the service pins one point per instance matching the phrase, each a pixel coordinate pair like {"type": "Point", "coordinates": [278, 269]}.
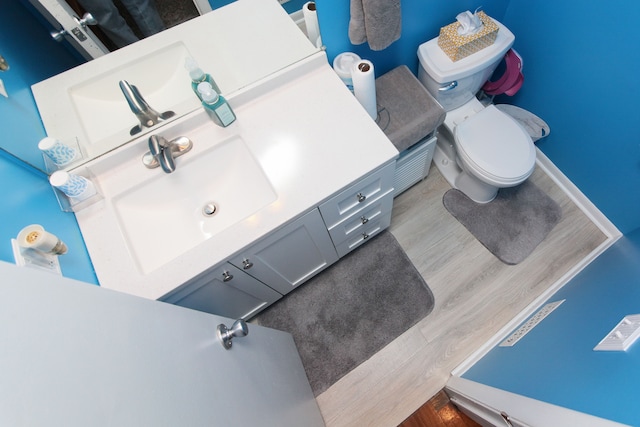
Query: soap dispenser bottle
{"type": "Point", "coordinates": [215, 105]}
{"type": "Point", "coordinates": [198, 76]}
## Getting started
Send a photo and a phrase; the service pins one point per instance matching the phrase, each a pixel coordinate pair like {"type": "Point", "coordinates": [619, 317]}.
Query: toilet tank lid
{"type": "Point", "coordinates": [442, 69]}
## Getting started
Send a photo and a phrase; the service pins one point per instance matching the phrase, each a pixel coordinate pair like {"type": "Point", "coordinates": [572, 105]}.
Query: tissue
{"type": "Point", "coordinates": [468, 23]}
{"type": "Point", "coordinates": [475, 38]}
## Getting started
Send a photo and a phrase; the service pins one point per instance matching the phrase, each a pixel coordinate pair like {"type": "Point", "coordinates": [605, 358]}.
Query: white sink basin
{"type": "Point", "coordinates": [102, 110]}
{"type": "Point", "coordinates": [166, 215]}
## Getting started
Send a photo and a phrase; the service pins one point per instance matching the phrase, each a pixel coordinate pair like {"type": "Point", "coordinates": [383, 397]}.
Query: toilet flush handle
{"type": "Point", "coordinates": [449, 86]}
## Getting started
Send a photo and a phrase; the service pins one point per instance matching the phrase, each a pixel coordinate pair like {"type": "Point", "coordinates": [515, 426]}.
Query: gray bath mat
{"type": "Point", "coordinates": [347, 313]}
{"type": "Point", "coordinates": [512, 225]}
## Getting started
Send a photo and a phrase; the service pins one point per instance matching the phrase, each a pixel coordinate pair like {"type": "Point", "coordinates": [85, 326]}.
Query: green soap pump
{"type": "Point", "coordinates": [198, 76]}
{"type": "Point", "coordinates": [215, 105]}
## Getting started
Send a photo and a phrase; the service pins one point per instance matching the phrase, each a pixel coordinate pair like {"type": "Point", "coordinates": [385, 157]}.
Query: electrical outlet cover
{"type": "Point", "coordinates": [622, 336]}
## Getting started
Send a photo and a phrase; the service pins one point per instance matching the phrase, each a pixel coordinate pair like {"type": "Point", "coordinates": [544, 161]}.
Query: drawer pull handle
{"type": "Point", "coordinates": [364, 219]}
{"type": "Point", "coordinates": [365, 236]}
{"type": "Point", "coordinates": [361, 197]}
{"type": "Point", "coordinates": [226, 276]}
{"type": "Point", "coordinates": [246, 264]}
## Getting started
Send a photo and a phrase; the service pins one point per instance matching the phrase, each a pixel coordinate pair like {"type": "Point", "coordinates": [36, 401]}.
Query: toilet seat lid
{"type": "Point", "coordinates": [496, 145]}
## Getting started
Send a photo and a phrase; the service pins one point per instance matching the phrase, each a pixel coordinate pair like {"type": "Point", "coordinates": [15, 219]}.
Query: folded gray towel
{"type": "Point", "coordinates": [375, 21]}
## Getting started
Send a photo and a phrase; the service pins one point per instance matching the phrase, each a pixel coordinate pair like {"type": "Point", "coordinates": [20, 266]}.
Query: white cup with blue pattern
{"type": "Point", "coordinates": [75, 186]}
{"type": "Point", "coordinates": [61, 154]}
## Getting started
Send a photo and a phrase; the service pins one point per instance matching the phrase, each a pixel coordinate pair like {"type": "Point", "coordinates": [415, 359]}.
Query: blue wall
{"type": "Point", "coordinates": [555, 361]}
{"type": "Point", "coordinates": [421, 21]}
{"type": "Point", "coordinates": [27, 197]}
{"type": "Point", "coordinates": [581, 66]}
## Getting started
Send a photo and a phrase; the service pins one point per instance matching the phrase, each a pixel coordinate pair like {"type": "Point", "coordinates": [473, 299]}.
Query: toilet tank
{"type": "Point", "coordinates": [453, 83]}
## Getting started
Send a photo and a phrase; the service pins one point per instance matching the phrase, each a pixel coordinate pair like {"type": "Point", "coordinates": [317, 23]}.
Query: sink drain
{"type": "Point", "coordinates": [209, 209]}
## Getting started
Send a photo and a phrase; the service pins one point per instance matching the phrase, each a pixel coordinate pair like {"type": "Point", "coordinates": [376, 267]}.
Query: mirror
{"type": "Point", "coordinates": [244, 71]}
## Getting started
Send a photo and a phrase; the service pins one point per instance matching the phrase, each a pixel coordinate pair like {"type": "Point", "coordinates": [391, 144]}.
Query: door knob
{"type": "Point", "coordinates": [58, 35]}
{"type": "Point", "coordinates": [238, 329]}
{"type": "Point", "coordinates": [87, 19]}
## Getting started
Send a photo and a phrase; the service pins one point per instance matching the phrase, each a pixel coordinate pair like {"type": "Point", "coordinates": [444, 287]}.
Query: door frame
{"type": "Point", "coordinates": [490, 406]}
{"type": "Point", "coordinates": [61, 17]}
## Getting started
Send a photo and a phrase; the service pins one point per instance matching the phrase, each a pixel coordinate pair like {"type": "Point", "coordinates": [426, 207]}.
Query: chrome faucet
{"type": "Point", "coordinates": [163, 153]}
{"type": "Point", "coordinates": [147, 116]}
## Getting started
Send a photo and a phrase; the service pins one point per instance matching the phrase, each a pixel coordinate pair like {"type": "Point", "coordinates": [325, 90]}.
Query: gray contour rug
{"type": "Point", "coordinates": [354, 308]}
{"type": "Point", "coordinates": [512, 225]}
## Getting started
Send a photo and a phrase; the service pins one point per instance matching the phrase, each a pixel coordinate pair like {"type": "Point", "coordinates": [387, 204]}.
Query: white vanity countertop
{"type": "Point", "coordinates": [223, 43]}
{"type": "Point", "coordinates": [312, 139]}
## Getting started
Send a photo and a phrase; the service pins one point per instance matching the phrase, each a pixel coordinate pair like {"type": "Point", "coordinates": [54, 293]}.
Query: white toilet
{"type": "Point", "coordinates": [480, 149]}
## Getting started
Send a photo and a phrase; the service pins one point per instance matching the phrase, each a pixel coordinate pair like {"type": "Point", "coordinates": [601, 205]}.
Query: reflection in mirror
{"type": "Point", "coordinates": [245, 70]}
{"type": "Point", "coordinates": [118, 23]}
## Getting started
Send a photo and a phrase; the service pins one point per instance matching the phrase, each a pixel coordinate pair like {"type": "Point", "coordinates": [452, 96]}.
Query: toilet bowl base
{"type": "Point", "coordinates": [473, 188]}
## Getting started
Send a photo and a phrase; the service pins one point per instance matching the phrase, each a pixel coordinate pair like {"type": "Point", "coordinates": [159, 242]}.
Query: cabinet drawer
{"type": "Point", "coordinates": [358, 196]}
{"type": "Point", "coordinates": [361, 219]}
{"type": "Point", "coordinates": [356, 239]}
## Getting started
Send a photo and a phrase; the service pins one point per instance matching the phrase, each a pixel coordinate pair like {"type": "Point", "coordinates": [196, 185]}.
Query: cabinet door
{"type": "Point", "coordinates": [226, 291]}
{"type": "Point", "coordinates": [291, 255]}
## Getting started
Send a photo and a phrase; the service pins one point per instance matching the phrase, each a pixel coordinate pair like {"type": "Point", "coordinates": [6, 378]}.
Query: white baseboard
{"type": "Point", "coordinates": [576, 196]}
{"type": "Point", "coordinates": [594, 214]}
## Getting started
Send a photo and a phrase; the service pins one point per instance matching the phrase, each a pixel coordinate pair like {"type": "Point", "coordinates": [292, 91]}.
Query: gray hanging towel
{"type": "Point", "coordinates": [377, 22]}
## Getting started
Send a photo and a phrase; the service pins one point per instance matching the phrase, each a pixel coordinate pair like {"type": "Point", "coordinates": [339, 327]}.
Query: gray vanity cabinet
{"type": "Point", "coordinates": [276, 264]}
{"type": "Point", "coordinates": [289, 256]}
{"type": "Point", "coordinates": [263, 272]}
{"type": "Point", "coordinates": [226, 291]}
{"type": "Point", "coordinates": [360, 211]}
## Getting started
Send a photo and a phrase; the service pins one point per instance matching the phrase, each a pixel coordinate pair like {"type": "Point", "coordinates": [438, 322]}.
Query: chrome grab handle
{"type": "Point", "coordinates": [364, 219]}
{"type": "Point", "coordinates": [226, 276]}
{"type": "Point", "coordinates": [361, 197]}
{"type": "Point", "coordinates": [365, 236]}
{"type": "Point", "coordinates": [246, 264]}
{"type": "Point", "coordinates": [448, 87]}
{"type": "Point", "coordinates": [238, 329]}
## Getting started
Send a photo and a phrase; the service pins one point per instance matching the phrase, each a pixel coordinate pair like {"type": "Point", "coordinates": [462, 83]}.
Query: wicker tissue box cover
{"type": "Point", "coordinates": [458, 46]}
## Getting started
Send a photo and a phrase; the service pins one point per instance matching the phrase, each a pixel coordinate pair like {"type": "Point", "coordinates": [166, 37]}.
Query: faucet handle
{"type": "Point", "coordinates": [156, 144]}
{"type": "Point", "coordinates": [163, 153]}
{"type": "Point", "coordinates": [161, 149]}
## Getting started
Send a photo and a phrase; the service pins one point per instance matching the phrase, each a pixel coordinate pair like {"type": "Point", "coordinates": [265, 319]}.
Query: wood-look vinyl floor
{"type": "Point", "coordinates": [475, 296]}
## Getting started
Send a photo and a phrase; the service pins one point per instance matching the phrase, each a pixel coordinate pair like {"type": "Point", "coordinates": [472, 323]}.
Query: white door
{"type": "Point", "coordinates": [66, 24]}
{"type": "Point", "coordinates": [74, 354]}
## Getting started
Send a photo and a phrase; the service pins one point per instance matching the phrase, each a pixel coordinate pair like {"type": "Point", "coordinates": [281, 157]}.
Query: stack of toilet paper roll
{"type": "Point", "coordinates": [359, 76]}
{"type": "Point", "coordinates": [311, 23]}
{"type": "Point", "coordinates": [364, 86]}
